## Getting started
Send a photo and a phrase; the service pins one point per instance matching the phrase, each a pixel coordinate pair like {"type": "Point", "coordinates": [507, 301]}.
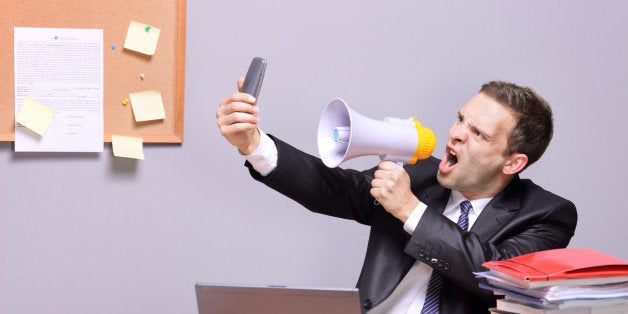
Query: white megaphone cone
{"type": "Point", "coordinates": [344, 134]}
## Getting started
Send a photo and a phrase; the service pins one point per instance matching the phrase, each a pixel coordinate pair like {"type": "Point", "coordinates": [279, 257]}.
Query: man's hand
{"type": "Point", "coordinates": [391, 188]}
{"type": "Point", "coordinates": [237, 120]}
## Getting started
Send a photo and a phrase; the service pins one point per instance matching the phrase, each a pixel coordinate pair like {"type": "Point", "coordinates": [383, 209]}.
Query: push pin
{"type": "Point", "coordinates": [125, 102]}
{"type": "Point", "coordinates": [147, 28]}
{"type": "Point", "coordinates": [142, 76]}
{"type": "Point", "coordinates": [113, 47]}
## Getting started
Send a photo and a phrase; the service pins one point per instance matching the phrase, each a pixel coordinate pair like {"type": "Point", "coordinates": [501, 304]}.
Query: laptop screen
{"type": "Point", "coordinates": [236, 299]}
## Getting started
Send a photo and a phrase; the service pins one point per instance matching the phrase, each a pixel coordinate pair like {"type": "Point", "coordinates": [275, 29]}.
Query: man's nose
{"type": "Point", "coordinates": [458, 133]}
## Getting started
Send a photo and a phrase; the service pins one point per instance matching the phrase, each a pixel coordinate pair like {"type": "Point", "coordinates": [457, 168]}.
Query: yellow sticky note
{"type": "Point", "coordinates": [147, 106]}
{"type": "Point", "coordinates": [142, 38]}
{"type": "Point", "coordinates": [35, 116]}
{"type": "Point", "coordinates": [127, 147]}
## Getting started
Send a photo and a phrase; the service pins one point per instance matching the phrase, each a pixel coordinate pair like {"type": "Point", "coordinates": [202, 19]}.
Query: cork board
{"type": "Point", "coordinates": [164, 71]}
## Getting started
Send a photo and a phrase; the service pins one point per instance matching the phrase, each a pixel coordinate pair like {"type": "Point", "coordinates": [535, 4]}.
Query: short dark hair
{"type": "Point", "coordinates": [534, 128]}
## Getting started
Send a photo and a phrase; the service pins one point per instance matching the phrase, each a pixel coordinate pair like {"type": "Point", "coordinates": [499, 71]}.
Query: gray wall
{"type": "Point", "coordinates": [97, 234]}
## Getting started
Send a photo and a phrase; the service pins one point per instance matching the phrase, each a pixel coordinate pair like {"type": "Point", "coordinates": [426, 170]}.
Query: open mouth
{"type": "Point", "coordinates": [449, 161]}
{"type": "Point", "coordinates": [452, 158]}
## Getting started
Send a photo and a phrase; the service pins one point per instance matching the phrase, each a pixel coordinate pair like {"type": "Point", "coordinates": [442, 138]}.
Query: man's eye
{"type": "Point", "coordinates": [459, 118]}
{"type": "Point", "coordinates": [476, 132]}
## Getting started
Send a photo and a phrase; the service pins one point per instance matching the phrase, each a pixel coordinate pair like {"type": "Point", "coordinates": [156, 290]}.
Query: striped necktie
{"type": "Point", "coordinates": [431, 305]}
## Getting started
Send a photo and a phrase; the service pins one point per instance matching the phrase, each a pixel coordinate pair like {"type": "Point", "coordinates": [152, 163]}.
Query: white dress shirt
{"type": "Point", "coordinates": [409, 295]}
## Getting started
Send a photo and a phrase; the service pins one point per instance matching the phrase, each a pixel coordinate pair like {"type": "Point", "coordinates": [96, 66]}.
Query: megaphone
{"type": "Point", "coordinates": [344, 134]}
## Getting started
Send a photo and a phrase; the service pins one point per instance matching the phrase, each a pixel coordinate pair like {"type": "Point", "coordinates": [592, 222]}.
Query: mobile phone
{"type": "Point", "coordinates": [254, 77]}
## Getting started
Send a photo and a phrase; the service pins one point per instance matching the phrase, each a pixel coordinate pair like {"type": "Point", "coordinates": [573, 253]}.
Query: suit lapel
{"type": "Point", "coordinates": [436, 197]}
{"type": "Point", "coordinates": [498, 211]}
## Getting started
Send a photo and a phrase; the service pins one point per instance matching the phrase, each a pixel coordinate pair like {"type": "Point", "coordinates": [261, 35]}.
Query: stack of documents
{"type": "Point", "coordinates": [570, 280]}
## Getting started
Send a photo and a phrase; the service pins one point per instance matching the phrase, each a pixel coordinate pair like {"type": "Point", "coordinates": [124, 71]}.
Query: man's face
{"type": "Point", "coordinates": [474, 157]}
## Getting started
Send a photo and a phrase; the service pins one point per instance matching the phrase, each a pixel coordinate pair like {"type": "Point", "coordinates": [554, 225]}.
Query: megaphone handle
{"type": "Point", "coordinates": [370, 178]}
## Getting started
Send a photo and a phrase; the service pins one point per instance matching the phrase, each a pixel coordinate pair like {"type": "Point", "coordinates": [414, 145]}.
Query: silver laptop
{"type": "Point", "coordinates": [238, 299]}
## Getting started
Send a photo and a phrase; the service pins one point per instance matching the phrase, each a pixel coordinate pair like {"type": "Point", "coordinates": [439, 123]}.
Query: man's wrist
{"type": "Point", "coordinates": [264, 157]}
{"type": "Point", "coordinates": [413, 220]}
{"type": "Point", "coordinates": [253, 144]}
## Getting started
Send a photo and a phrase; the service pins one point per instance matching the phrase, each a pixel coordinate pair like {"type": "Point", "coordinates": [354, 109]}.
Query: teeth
{"type": "Point", "coordinates": [452, 158]}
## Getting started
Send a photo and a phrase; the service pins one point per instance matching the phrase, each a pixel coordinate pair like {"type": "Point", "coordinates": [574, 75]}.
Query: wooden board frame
{"type": "Point", "coordinates": [165, 71]}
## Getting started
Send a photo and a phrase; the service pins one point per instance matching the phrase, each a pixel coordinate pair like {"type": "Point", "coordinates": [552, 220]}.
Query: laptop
{"type": "Point", "coordinates": [238, 299]}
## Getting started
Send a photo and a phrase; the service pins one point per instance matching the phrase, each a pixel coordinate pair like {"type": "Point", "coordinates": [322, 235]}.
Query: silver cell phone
{"type": "Point", "coordinates": [254, 77]}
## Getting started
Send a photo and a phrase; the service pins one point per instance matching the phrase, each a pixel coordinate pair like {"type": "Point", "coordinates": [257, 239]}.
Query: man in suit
{"type": "Point", "coordinates": [412, 210]}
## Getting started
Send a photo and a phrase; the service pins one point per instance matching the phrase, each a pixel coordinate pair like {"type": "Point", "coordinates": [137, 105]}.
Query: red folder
{"type": "Point", "coordinates": [561, 267]}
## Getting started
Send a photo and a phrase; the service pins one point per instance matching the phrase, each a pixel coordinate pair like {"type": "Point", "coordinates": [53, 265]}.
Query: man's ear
{"type": "Point", "coordinates": [515, 163]}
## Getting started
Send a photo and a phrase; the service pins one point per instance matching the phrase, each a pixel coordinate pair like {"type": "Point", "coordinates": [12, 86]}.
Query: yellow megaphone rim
{"type": "Point", "coordinates": [426, 143]}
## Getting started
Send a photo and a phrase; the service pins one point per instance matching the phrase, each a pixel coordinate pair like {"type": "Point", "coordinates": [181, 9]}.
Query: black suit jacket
{"type": "Point", "coordinates": [522, 218]}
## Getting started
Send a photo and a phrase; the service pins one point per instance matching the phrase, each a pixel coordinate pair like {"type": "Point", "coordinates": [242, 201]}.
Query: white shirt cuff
{"type": "Point", "coordinates": [264, 158]}
{"type": "Point", "coordinates": [414, 218]}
